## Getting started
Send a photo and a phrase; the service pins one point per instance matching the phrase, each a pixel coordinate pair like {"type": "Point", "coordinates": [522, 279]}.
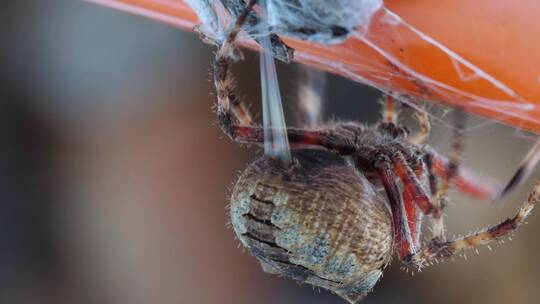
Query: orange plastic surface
{"type": "Point", "coordinates": [483, 55]}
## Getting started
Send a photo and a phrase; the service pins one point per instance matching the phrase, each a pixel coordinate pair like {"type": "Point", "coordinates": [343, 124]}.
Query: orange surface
{"type": "Point", "coordinates": [482, 55]}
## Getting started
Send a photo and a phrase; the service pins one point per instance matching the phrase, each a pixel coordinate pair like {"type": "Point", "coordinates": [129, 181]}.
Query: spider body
{"type": "Point", "coordinates": [320, 221]}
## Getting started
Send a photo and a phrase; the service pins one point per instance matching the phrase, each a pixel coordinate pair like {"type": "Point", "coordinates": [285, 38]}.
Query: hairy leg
{"type": "Point", "coordinates": [405, 244]}
{"type": "Point", "coordinates": [390, 114]}
{"type": "Point", "coordinates": [411, 183]}
{"type": "Point", "coordinates": [229, 106]}
{"type": "Point", "coordinates": [280, 50]}
{"type": "Point", "coordinates": [416, 198]}
{"type": "Point", "coordinates": [438, 250]}
{"type": "Point", "coordinates": [425, 127]}
{"type": "Point", "coordinates": [525, 169]}
{"type": "Point", "coordinates": [235, 120]}
{"type": "Point", "coordinates": [451, 172]}
{"type": "Point", "coordinates": [414, 216]}
{"type": "Point", "coordinates": [465, 181]}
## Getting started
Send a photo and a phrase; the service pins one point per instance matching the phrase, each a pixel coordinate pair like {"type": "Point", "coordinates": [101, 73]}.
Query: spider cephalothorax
{"type": "Point", "coordinates": [320, 219]}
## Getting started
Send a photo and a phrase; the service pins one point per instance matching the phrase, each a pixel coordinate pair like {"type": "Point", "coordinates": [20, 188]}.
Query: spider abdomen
{"type": "Point", "coordinates": [319, 221]}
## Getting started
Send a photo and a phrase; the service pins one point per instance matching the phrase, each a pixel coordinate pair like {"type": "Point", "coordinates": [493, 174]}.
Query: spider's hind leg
{"type": "Point", "coordinates": [451, 172]}
{"type": "Point", "coordinates": [437, 251]}
{"type": "Point", "coordinates": [438, 248]}
{"type": "Point", "coordinates": [524, 170]}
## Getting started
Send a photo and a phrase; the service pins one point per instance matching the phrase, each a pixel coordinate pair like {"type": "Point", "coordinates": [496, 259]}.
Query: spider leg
{"type": "Point", "coordinates": [451, 172]}
{"type": "Point", "coordinates": [411, 183]}
{"type": "Point", "coordinates": [298, 138]}
{"type": "Point", "coordinates": [390, 111]}
{"type": "Point", "coordinates": [389, 124]}
{"type": "Point", "coordinates": [448, 168]}
{"type": "Point", "coordinates": [452, 166]}
{"type": "Point", "coordinates": [415, 181]}
{"type": "Point", "coordinates": [465, 181]}
{"type": "Point", "coordinates": [414, 216]}
{"type": "Point", "coordinates": [439, 203]}
{"type": "Point", "coordinates": [279, 49]}
{"type": "Point", "coordinates": [425, 127]}
{"type": "Point", "coordinates": [415, 197]}
{"type": "Point", "coordinates": [234, 118]}
{"type": "Point", "coordinates": [227, 99]}
{"type": "Point", "coordinates": [422, 173]}
{"type": "Point", "coordinates": [405, 244]}
{"type": "Point", "coordinates": [438, 250]}
{"type": "Point", "coordinates": [525, 169]}
{"type": "Point", "coordinates": [390, 116]}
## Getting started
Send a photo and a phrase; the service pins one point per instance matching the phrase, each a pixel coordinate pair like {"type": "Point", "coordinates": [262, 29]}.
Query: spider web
{"type": "Point", "coordinates": [466, 70]}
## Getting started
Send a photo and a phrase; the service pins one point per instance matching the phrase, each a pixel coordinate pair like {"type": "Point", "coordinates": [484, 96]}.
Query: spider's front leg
{"type": "Point", "coordinates": [234, 118]}
{"type": "Point", "coordinates": [405, 244]}
{"type": "Point", "coordinates": [437, 251]}
{"type": "Point", "coordinates": [409, 206]}
{"type": "Point", "coordinates": [228, 104]}
{"type": "Point", "coordinates": [464, 181]}
{"type": "Point", "coordinates": [252, 24]}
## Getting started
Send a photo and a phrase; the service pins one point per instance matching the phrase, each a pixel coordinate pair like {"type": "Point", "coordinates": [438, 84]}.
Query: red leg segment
{"type": "Point", "coordinates": [298, 138]}
{"type": "Point", "coordinates": [414, 216]}
{"type": "Point", "coordinates": [412, 184]}
{"type": "Point", "coordinates": [402, 233]}
{"type": "Point", "coordinates": [465, 182]}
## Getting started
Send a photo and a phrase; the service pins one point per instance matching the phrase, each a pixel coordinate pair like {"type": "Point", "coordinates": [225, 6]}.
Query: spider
{"type": "Point", "coordinates": [320, 218]}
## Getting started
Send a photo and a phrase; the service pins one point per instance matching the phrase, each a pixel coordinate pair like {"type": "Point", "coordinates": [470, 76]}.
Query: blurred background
{"type": "Point", "coordinates": [114, 177]}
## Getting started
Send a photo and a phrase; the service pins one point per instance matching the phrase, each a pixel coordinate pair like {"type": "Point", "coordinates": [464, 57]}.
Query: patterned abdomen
{"type": "Point", "coordinates": [319, 221]}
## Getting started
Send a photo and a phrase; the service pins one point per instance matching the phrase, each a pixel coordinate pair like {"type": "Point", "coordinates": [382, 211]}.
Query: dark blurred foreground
{"type": "Point", "coordinates": [114, 178]}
